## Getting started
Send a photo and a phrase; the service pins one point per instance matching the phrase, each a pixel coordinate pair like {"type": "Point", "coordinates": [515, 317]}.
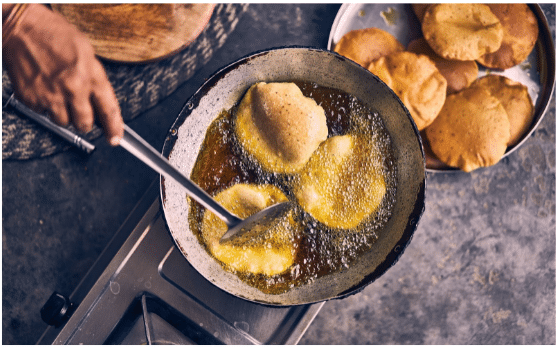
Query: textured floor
{"type": "Point", "coordinates": [481, 268]}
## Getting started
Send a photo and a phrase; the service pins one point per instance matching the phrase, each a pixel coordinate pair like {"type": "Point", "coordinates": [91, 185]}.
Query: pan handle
{"type": "Point", "coordinates": [142, 150]}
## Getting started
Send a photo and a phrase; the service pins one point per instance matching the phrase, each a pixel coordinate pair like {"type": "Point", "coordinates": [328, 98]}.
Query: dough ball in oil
{"type": "Point", "coordinates": [279, 126]}
{"type": "Point", "coordinates": [343, 182]}
{"type": "Point", "coordinates": [270, 254]}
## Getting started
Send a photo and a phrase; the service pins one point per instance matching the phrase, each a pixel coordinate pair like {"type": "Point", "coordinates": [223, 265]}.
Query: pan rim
{"type": "Point", "coordinates": [406, 236]}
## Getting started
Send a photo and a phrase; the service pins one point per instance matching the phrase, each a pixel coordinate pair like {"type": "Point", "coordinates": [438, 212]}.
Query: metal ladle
{"type": "Point", "coordinates": [237, 228]}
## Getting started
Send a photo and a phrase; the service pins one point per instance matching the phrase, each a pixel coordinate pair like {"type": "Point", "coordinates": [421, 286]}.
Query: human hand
{"type": "Point", "coordinates": [52, 67]}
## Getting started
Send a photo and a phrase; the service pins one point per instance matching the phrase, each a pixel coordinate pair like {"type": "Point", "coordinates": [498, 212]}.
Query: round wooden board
{"type": "Point", "coordinates": [137, 33]}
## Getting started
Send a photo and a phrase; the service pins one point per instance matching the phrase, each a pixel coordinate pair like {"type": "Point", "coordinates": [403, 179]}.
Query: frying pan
{"type": "Point", "coordinates": [222, 91]}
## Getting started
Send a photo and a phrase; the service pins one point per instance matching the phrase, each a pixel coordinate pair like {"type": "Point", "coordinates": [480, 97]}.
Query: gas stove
{"type": "Point", "coordinates": [142, 290]}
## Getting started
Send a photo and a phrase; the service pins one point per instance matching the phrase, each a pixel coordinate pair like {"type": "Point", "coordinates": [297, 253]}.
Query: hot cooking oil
{"type": "Point", "coordinates": [319, 249]}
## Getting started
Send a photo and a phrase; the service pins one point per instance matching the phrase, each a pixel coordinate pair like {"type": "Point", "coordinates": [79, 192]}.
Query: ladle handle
{"type": "Point", "coordinates": [43, 120]}
{"type": "Point", "coordinates": [142, 150]}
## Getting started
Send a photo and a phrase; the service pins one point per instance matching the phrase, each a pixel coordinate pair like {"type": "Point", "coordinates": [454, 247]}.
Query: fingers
{"type": "Point", "coordinates": [49, 103]}
{"type": "Point", "coordinates": [107, 108]}
{"type": "Point", "coordinates": [78, 102]}
{"type": "Point", "coordinates": [57, 111]}
{"type": "Point", "coordinates": [81, 94]}
{"type": "Point", "coordinates": [53, 68]}
{"type": "Point", "coordinates": [82, 114]}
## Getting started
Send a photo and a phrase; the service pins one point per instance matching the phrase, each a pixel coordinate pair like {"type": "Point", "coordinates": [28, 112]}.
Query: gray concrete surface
{"type": "Point", "coordinates": [481, 268]}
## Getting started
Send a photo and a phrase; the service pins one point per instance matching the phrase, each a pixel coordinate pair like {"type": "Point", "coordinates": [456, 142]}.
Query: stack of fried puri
{"type": "Point", "coordinates": [462, 31]}
{"type": "Point", "coordinates": [476, 125]}
{"type": "Point", "coordinates": [477, 118]}
{"type": "Point", "coordinates": [416, 81]}
{"type": "Point", "coordinates": [515, 98]}
{"type": "Point", "coordinates": [498, 36]}
{"type": "Point", "coordinates": [458, 74]}
{"type": "Point", "coordinates": [521, 31]}
{"type": "Point", "coordinates": [366, 45]}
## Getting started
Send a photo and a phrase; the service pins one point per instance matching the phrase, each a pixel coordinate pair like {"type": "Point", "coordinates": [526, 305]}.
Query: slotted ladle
{"type": "Point", "coordinates": [238, 229]}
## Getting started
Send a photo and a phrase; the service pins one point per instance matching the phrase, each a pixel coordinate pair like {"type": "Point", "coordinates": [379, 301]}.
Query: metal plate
{"type": "Point", "coordinates": [537, 72]}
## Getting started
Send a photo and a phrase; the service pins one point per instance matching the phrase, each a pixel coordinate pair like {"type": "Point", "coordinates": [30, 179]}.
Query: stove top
{"type": "Point", "coordinates": [142, 290]}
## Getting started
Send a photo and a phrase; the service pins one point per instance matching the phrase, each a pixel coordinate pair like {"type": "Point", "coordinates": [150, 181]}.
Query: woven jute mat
{"type": "Point", "coordinates": [138, 87]}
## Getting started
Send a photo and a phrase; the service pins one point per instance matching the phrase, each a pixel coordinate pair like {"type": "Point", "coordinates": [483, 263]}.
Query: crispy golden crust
{"type": "Point", "coordinates": [471, 131]}
{"type": "Point", "coordinates": [462, 31]}
{"type": "Point", "coordinates": [341, 185]}
{"type": "Point", "coordinates": [458, 73]}
{"type": "Point", "coordinates": [515, 98]}
{"type": "Point", "coordinates": [417, 82]}
{"type": "Point", "coordinates": [366, 45]}
{"type": "Point", "coordinates": [521, 31]}
{"type": "Point", "coordinates": [279, 126]}
{"type": "Point", "coordinates": [271, 254]}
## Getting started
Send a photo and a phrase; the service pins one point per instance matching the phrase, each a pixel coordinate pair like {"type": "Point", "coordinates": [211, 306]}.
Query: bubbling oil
{"type": "Point", "coordinates": [320, 250]}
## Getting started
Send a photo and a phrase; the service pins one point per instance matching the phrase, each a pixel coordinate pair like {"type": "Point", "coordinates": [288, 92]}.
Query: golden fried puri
{"type": "Point", "coordinates": [521, 31]}
{"type": "Point", "coordinates": [462, 31]}
{"type": "Point", "coordinates": [515, 98]}
{"type": "Point", "coordinates": [458, 73]}
{"type": "Point", "coordinates": [366, 45]}
{"type": "Point", "coordinates": [270, 254]}
{"type": "Point", "coordinates": [471, 131]}
{"type": "Point", "coordinates": [417, 82]}
{"type": "Point", "coordinates": [342, 184]}
{"type": "Point", "coordinates": [279, 126]}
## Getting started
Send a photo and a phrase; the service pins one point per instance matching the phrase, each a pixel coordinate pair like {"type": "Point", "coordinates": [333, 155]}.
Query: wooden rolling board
{"type": "Point", "coordinates": [137, 33]}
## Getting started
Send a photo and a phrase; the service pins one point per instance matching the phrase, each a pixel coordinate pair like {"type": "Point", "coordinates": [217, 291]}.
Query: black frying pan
{"type": "Point", "coordinates": [223, 90]}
